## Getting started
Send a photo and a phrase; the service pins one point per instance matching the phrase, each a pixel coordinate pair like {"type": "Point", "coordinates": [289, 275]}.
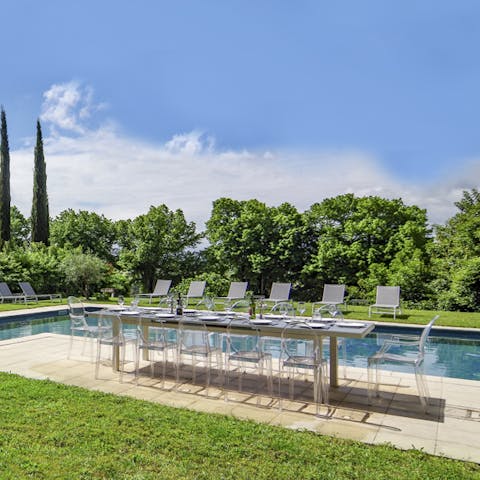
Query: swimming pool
{"type": "Point", "coordinates": [449, 353]}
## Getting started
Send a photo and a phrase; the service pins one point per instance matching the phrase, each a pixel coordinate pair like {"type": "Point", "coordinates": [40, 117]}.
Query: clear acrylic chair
{"type": "Point", "coordinates": [411, 350]}
{"type": "Point", "coordinates": [197, 348]}
{"type": "Point", "coordinates": [302, 359]}
{"type": "Point", "coordinates": [111, 334]}
{"type": "Point", "coordinates": [284, 308]}
{"type": "Point", "coordinates": [79, 325]}
{"type": "Point", "coordinates": [246, 355]}
{"type": "Point", "coordinates": [151, 342]}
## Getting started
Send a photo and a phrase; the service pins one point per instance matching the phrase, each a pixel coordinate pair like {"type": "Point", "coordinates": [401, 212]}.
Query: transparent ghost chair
{"type": "Point", "coordinates": [301, 359]}
{"type": "Point", "coordinates": [246, 356]}
{"type": "Point", "coordinates": [197, 348]}
{"type": "Point", "coordinates": [116, 339]}
{"type": "Point", "coordinates": [286, 309]}
{"type": "Point", "coordinates": [79, 325]}
{"type": "Point", "coordinates": [152, 343]}
{"type": "Point", "coordinates": [406, 350]}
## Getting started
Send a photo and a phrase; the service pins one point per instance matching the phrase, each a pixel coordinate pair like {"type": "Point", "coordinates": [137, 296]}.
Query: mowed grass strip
{"type": "Point", "coordinates": [51, 431]}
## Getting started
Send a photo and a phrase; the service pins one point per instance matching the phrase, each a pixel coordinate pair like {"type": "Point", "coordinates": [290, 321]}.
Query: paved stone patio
{"type": "Point", "coordinates": [451, 427]}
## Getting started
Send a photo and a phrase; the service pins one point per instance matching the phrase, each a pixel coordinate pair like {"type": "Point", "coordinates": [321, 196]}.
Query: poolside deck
{"type": "Point", "coordinates": [451, 428]}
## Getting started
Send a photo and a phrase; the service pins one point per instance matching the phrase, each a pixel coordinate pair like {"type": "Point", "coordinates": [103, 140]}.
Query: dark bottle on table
{"type": "Point", "coordinates": [251, 310]}
{"type": "Point", "coordinates": [179, 305]}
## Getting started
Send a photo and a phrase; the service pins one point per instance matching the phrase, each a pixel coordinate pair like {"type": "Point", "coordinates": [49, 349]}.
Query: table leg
{"type": "Point", "coordinates": [145, 333]}
{"type": "Point", "coordinates": [115, 347]}
{"type": "Point", "coordinates": [333, 362]}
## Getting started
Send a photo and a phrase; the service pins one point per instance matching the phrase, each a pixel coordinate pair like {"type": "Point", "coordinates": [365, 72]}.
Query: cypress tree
{"type": "Point", "coordinates": [40, 218]}
{"type": "Point", "coordinates": [4, 181]}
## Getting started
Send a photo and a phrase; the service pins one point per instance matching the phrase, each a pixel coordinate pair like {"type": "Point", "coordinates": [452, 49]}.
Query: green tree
{"type": "Point", "coordinates": [4, 181]}
{"type": "Point", "coordinates": [40, 216]}
{"type": "Point", "coordinates": [20, 227]}
{"type": "Point", "coordinates": [84, 271]}
{"type": "Point", "coordinates": [94, 233]}
{"type": "Point", "coordinates": [37, 264]}
{"type": "Point", "coordinates": [457, 256]}
{"type": "Point", "coordinates": [254, 242]}
{"type": "Point", "coordinates": [156, 244]}
{"type": "Point", "coordinates": [362, 242]}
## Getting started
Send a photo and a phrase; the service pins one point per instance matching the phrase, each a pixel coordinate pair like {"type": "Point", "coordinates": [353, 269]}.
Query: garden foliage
{"type": "Point", "coordinates": [360, 241]}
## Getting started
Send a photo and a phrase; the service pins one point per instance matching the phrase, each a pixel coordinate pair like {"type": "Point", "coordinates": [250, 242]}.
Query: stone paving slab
{"type": "Point", "coordinates": [452, 427]}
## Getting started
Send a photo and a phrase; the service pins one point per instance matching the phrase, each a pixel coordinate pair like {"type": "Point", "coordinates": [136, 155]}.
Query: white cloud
{"type": "Point", "coordinates": [103, 171]}
{"type": "Point", "coordinates": [67, 105]}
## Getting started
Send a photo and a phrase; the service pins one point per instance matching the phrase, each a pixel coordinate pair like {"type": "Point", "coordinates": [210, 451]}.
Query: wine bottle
{"type": "Point", "coordinates": [251, 310]}
{"type": "Point", "coordinates": [179, 311]}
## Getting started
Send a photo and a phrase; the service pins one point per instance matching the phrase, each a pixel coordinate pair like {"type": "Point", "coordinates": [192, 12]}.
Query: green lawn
{"type": "Point", "coordinates": [421, 317]}
{"type": "Point", "coordinates": [55, 431]}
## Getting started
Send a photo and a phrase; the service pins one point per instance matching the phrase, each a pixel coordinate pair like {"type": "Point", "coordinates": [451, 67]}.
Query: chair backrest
{"type": "Point", "coordinates": [425, 333]}
{"type": "Point", "coordinates": [239, 342]}
{"type": "Point", "coordinates": [333, 293]}
{"type": "Point", "coordinates": [27, 289]}
{"type": "Point", "coordinates": [280, 291]}
{"type": "Point", "coordinates": [162, 287]}
{"type": "Point", "coordinates": [76, 311]}
{"type": "Point", "coordinates": [389, 296]}
{"type": "Point", "coordinates": [196, 288]}
{"type": "Point", "coordinates": [237, 290]}
{"type": "Point", "coordinates": [283, 308]}
{"type": "Point", "coordinates": [197, 341]}
{"type": "Point", "coordinates": [294, 348]}
{"type": "Point", "coordinates": [75, 307]}
{"type": "Point", "coordinates": [5, 290]}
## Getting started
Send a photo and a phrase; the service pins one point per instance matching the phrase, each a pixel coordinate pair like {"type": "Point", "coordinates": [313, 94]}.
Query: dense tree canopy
{"type": "Point", "coordinates": [258, 243]}
{"type": "Point", "coordinates": [94, 233]}
{"type": "Point", "coordinates": [364, 241]}
{"type": "Point", "coordinates": [457, 256]}
{"type": "Point", "coordinates": [360, 241]}
{"type": "Point", "coordinates": [19, 227]}
{"type": "Point", "coordinates": [155, 245]}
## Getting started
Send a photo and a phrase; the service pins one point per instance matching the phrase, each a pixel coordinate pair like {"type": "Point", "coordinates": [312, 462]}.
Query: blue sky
{"type": "Point", "coordinates": [182, 102]}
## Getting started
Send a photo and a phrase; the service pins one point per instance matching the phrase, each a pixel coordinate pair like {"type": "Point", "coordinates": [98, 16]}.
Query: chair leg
{"type": "Point", "coordinates": [137, 363]}
{"type": "Point", "coordinates": [97, 362]}
{"type": "Point", "coordinates": [324, 382]}
{"type": "Point", "coordinates": [372, 384]}
{"type": "Point", "coordinates": [70, 346]}
{"type": "Point", "coordinates": [343, 346]}
{"type": "Point", "coordinates": [422, 387]}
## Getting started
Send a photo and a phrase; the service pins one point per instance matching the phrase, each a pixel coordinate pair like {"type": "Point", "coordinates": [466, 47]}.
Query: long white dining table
{"type": "Point", "coordinates": [269, 326]}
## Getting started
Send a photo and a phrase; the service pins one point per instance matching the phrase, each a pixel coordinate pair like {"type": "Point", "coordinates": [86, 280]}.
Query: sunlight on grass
{"type": "Point", "coordinates": [51, 430]}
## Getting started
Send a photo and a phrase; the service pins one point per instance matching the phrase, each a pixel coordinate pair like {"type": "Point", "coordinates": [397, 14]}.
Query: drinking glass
{"type": "Point", "coordinates": [286, 310]}
{"type": "Point", "coordinates": [301, 307]}
{"type": "Point", "coordinates": [135, 301]}
{"type": "Point", "coordinates": [170, 302]}
{"type": "Point", "coordinates": [121, 300]}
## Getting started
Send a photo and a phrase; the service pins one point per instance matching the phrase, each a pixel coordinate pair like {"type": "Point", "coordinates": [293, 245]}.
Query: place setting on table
{"type": "Point", "coordinates": [282, 314]}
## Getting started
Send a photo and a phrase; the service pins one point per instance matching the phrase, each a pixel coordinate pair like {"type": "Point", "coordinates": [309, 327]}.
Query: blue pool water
{"type": "Point", "coordinates": [448, 353]}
